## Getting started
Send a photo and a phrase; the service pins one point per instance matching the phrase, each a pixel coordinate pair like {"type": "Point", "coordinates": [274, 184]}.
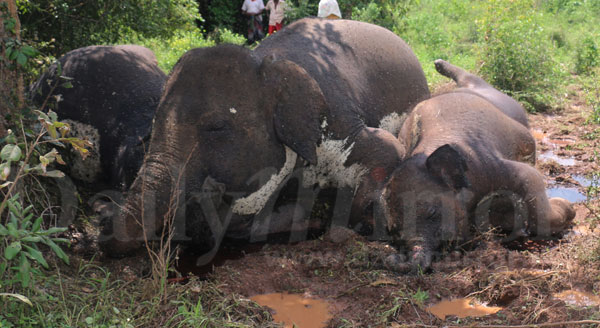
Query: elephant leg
{"type": "Point", "coordinates": [379, 153]}
{"type": "Point", "coordinates": [545, 216]}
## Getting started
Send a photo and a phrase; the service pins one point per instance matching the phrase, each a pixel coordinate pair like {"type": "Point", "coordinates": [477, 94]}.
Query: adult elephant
{"type": "Point", "coordinates": [322, 96]}
{"type": "Point", "coordinates": [114, 94]}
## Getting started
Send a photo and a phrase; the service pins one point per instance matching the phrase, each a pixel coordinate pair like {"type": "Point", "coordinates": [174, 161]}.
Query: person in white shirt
{"type": "Point", "coordinates": [329, 9]}
{"type": "Point", "coordinates": [253, 9]}
{"type": "Point", "coordinates": [276, 10]}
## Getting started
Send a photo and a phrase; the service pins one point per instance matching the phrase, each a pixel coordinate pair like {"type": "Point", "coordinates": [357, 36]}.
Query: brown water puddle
{"type": "Point", "coordinates": [578, 298]}
{"type": "Point", "coordinates": [462, 308]}
{"type": "Point", "coordinates": [291, 309]}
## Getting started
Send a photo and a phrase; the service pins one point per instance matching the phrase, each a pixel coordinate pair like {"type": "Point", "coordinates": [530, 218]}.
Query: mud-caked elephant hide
{"type": "Point", "coordinates": [469, 168]}
{"type": "Point", "coordinates": [320, 101]}
{"type": "Point", "coordinates": [115, 92]}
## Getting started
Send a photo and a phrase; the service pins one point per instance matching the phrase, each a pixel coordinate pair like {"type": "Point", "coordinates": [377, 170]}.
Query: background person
{"type": "Point", "coordinates": [253, 9]}
{"type": "Point", "coordinates": [276, 10]}
{"type": "Point", "coordinates": [329, 9]}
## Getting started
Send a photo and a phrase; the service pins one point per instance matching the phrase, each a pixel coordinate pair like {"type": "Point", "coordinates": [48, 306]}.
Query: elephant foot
{"type": "Point", "coordinates": [446, 69]}
{"type": "Point", "coordinates": [397, 263]}
{"type": "Point", "coordinates": [418, 261]}
{"type": "Point", "coordinates": [563, 214]}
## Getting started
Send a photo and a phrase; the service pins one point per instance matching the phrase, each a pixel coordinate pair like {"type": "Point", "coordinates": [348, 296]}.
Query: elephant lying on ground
{"type": "Point", "coordinates": [469, 165]}
{"type": "Point", "coordinates": [321, 98]}
{"type": "Point", "coordinates": [115, 93]}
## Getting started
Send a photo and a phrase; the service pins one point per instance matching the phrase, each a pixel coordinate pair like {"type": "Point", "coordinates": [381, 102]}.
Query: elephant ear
{"type": "Point", "coordinates": [300, 104]}
{"type": "Point", "coordinates": [447, 164]}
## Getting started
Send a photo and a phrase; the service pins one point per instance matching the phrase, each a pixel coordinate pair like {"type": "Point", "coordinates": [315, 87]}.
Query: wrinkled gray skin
{"type": "Point", "coordinates": [115, 90]}
{"type": "Point", "coordinates": [228, 115]}
{"type": "Point", "coordinates": [469, 165]}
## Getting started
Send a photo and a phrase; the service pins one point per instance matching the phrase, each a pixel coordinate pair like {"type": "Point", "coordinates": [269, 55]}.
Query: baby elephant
{"type": "Point", "coordinates": [469, 165]}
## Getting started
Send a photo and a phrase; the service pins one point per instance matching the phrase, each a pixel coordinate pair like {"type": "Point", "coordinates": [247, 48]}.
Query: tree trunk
{"type": "Point", "coordinates": [11, 81]}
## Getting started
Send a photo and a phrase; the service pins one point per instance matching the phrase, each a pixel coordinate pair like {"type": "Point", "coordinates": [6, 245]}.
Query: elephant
{"type": "Point", "coordinates": [468, 168]}
{"type": "Point", "coordinates": [114, 94]}
{"type": "Point", "coordinates": [320, 101]}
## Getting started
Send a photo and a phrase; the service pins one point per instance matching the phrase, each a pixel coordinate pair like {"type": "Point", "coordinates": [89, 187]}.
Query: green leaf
{"type": "Point", "coordinates": [12, 250]}
{"type": "Point", "coordinates": [32, 239]}
{"type": "Point", "coordinates": [11, 153]}
{"type": "Point", "coordinates": [28, 51]}
{"type": "Point", "coordinates": [3, 230]}
{"type": "Point", "coordinates": [36, 255]}
{"type": "Point", "coordinates": [21, 59]}
{"type": "Point", "coordinates": [57, 250]}
{"type": "Point", "coordinates": [67, 85]}
{"type": "Point", "coordinates": [24, 268]}
{"type": "Point", "coordinates": [12, 230]}
{"type": "Point", "coordinates": [37, 224]}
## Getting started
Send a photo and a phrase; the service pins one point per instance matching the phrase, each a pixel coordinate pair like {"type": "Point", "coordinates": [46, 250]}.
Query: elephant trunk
{"type": "Point", "coordinates": [147, 202]}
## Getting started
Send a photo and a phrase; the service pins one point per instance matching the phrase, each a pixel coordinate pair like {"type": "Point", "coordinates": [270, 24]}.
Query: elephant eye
{"type": "Point", "coordinates": [216, 126]}
{"type": "Point", "coordinates": [431, 213]}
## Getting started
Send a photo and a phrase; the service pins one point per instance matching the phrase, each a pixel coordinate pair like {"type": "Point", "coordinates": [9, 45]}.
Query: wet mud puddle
{"type": "Point", "coordinates": [572, 193]}
{"type": "Point", "coordinates": [294, 310]}
{"type": "Point", "coordinates": [578, 298]}
{"type": "Point", "coordinates": [461, 308]}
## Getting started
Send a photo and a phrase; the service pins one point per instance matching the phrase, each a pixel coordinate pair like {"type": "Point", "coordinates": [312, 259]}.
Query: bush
{"type": "Point", "coordinates": [388, 14]}
{"type": "Point", "coordinates": [169, 50]}
{"type": "Point", "coordinates": [72, 24]}
{"type": "Point", "coordinates": [588, 56]}
{"type": "Point", "coordinates": [515, 53]}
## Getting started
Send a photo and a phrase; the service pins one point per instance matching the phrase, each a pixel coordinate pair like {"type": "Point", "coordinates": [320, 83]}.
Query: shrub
{"type": "Point", "coordinates": [515, 52]}
{"type": "Point", "coordinates": [169, 50]}
{"type": "Point", "coordinates": [389, 14]}
{"type": "Point", "coordinates": [588, 56]}
{"type": "Point", "coordinates": [72, 24]}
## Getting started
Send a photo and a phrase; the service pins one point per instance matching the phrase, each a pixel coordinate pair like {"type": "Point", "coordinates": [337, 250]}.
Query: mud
{"type": "Point", "coordinates": [461, 308]}
{"type": "Point", "coordinates": [577, 298]}
{"type": "Point", "coordinates": [295, 310]}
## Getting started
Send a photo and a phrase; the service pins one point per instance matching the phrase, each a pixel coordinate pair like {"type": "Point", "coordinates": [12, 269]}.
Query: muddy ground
{"type": "Point", "coordinates": [522, 278]}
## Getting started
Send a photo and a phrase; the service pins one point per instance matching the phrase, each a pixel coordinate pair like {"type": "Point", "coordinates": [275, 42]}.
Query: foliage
{"type": "Point", "coordinates": [298, 9]}
{"type": "Point", "coordinates": [588, 56]}
{"type": "Point", "coordinates": [73, 24]}
{"type": "Point", "coordinates": [169, 50]}
{"type": "Point", "coordinates": [515, 55]}
{"type": "Point", "coordinates": [387, 13]}
{"type": "Point", "coordinates": [21, 233]}
{"type": "Point", "coordinates": [21, 236]}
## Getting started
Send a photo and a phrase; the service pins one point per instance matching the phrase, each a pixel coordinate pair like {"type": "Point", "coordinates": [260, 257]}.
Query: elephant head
{"type": "Point", "coordinates": [424, 203]}
{"type": "Point", "coordinates": [227, 122]}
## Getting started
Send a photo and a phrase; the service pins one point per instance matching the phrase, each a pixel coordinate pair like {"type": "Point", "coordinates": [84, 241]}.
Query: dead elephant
{"type": "Point", "coordinates": [115, 93]}
{"type": "Point", "coordinates": [321, 97]}
{"type": "Point", "coordinates": [469, 165]}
